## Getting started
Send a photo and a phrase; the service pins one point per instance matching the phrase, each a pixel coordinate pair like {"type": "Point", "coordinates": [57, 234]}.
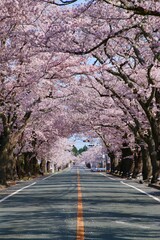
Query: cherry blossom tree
{"type": "Point", "coordinates": [127, 48]}
{"type": "Point", "coordinates": [92, 68]}
{"type": "Point", "coordinates": [92, 155]}
{"type": "Point", "coordinates": [60, 154]}
{"type": "Point", "coordinates": [123, 38]}
{"type": "Point", "coordinates": [30, 84]}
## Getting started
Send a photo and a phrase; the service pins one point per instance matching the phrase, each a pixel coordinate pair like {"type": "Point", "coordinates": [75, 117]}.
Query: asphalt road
{"type": "Point", "coordinates": [112, 209]}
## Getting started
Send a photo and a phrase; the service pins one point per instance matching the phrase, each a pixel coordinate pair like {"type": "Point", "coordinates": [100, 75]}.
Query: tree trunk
{"type": "Point", "coordinates": [114, 161]}
{"type": "Point", "coordinates": [127, 159]}
{"type": "Point", "coordinates": [43, 165]}
{"type": "Point", "coordinates": [154, 162]}
{"type": "Point", "coordinates": [3, 158]}
{"type": "Point", "coordinates": [137, 163]}
{"type": "Point", "coordinates": [114, 164]}
{"type": "Point", "coordinates": [147, 167]}
{"type": "Point", "coordinates": [155, 167]}
{"type": "Point", "coordinates": [3, 175]}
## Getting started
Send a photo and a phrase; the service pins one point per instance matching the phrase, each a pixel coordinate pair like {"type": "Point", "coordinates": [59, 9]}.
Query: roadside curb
{"type": "Point", "coordinates": [157, 186]}
{"type": "Point", "coordinates": [20, 182]}
{"type": "Point", "coordinates": [154, 186]}
{"type": "Point", "coordinates": [28, 180]}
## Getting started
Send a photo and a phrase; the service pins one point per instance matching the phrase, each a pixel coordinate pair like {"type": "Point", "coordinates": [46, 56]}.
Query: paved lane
{"type": "Point", "coordinates": [114, 211]}
{"type": "Point", "coordinates": [109, 209]}
{"type": "Point", "coordinates": [46, 210]}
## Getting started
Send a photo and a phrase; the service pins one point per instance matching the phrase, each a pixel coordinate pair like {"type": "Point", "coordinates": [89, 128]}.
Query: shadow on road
{"type": "Point", "coordinates": [47, 210]}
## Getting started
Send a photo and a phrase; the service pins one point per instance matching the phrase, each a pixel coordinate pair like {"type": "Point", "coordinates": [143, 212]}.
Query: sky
{"type": "Point", "coordinates": [80, 141]}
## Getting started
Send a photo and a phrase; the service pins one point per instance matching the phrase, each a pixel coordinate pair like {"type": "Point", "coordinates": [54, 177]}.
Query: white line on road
{"type": "Point", "coordinates": [48, 176]}
{"type": "Point", "coordinates": [107, 176]}
{"type": "Point", "coordinates": [149, 195]}
{"type": "Point", "coordinates": [132, 224]}
{"type": "Point", "coordinates": [111, 178]}
{"type": "Point", "coordinates": [19, 190]}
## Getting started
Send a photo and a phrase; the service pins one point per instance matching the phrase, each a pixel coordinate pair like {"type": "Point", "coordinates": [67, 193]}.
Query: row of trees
{"type": "Point", "coordinates": [120, 91]}
{"type": "Point", "coordinates": [33, 122]}
{"type": "Point", "coordinates": [66, 69]}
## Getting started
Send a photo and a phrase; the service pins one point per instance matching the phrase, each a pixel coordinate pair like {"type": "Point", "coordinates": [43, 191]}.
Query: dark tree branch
{"type": "Point", "coordinates": [134, 8]}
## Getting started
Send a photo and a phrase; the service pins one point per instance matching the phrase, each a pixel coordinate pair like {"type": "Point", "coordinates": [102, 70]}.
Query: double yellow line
{"type": "Point", "coordinates": [80, 221]}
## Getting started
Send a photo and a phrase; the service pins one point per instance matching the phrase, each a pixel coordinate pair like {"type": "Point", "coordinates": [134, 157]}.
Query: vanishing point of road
{"type": "Point", "coordinates": [79, 205]}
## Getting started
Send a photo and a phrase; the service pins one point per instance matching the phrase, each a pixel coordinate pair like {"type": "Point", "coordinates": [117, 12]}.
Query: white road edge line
{"type": "Point", "coordinates": [107, 176]}
{"type": "Point", "coordinates": [111, 178]}
{"type": "Point", "coordinates": [48, 176]}
{"type": "Point", "coordinates": [132, 225]}
{"type": "Point", "coordinates": [149, 195]}
{"type": "Point", "coordinates": [19, 190]}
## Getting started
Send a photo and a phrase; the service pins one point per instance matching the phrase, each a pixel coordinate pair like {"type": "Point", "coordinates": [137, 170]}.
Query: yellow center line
{"type": "Point", "coordinates": [80, 222]}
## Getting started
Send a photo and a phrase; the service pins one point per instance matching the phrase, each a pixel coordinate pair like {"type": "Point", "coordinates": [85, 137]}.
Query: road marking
{"type": "Point", "coordinates": [149, 195]}
{"type": "Point", "coordinates": [19, 190]}
{"type": "Point", "coordinates": [108, 177]}
{"type": "Point", "coordinates": [80, 221]}
{"type": "Point", "coordinates": [111, 178]}
{"type": "Point", "coordinates": [48, 176]}
{"type": "Point", "coordinates": [132, 224]}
